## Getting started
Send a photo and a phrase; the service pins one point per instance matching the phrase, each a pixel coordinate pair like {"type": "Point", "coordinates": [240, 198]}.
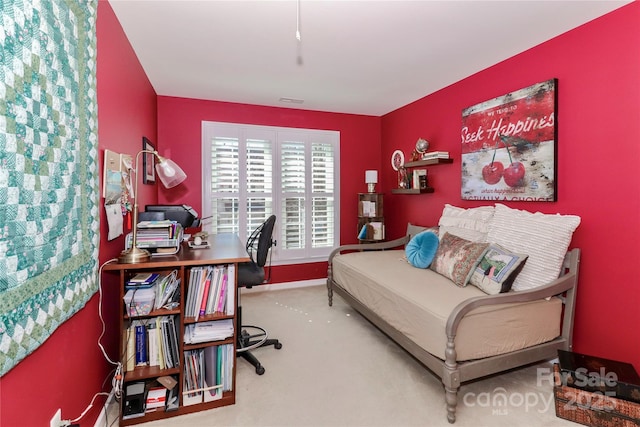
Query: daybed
{"type": "Point", "coordinates": [461, 332]}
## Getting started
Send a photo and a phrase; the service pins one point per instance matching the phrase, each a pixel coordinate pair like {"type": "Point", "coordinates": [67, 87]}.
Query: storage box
{"type": "Point", "coordinates": [592, 408]}
{"type": "Point", "coordinates": [591, 373]}
{"type": "Point", "coordinates": [139, 302]}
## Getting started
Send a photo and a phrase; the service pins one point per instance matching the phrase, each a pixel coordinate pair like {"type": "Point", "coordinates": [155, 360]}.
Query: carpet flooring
{"type": "Point", "coordinates": [336, 369]}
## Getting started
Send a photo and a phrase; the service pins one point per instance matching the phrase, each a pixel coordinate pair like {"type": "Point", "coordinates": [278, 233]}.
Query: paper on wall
{"type": "Point", "coordinates": [114, 220]}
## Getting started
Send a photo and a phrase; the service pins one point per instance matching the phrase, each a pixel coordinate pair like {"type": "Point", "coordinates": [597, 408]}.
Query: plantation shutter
{"type": "Point", "coordinates": [251, 172]}
{"type": "Point", "coordinates": [225, 187]}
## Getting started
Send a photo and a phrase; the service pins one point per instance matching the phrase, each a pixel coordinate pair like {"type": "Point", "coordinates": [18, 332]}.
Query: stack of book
{"type": "Point", "coordinates": [207, 373]}
{"type": "Point", "coordinates": [430, 155]}
{"type": "Point", "coordinates": [157, 233]}
{"type": "Point", "coordinates": [211, 290]}
{"type": "Point", "coordinates": [214, 330]}
{"type": "Point", "coordinates": [159, 237]}
{"type": "Point", "coordinates": [152, 342]}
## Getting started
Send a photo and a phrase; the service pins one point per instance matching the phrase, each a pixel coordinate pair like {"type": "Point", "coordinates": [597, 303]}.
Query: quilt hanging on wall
{"type": "Point", "coordinates": [48, 169]}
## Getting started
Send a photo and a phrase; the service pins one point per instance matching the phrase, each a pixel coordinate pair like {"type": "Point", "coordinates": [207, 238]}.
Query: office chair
{"type": "Point", "coordinates": [251, 274]}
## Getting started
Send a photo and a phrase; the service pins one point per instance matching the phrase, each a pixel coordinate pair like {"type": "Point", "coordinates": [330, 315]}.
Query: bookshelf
{"type": "Point", "coordinates": [370, 217]}
{"type": "Point", "coordinates": [419, 164]}
{"type": "Point", "coordinates": [200, 373]}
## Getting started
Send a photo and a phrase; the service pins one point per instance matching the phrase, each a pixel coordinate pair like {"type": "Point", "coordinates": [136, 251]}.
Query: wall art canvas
{"type": "Point", "coordinates": [509, 146]}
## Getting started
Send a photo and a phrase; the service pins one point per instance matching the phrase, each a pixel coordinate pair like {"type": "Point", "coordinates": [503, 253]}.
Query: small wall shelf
{"type": "Point", "coordinates": [417, 164]}
{"type": "Point", "coordinates": [430, 162]}
{"type": "Point", "coordinates": [412, 190]}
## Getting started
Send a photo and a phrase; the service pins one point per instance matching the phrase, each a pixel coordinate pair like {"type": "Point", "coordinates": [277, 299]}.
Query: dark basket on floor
{"type": "Point", "coordinates": [592, 408]}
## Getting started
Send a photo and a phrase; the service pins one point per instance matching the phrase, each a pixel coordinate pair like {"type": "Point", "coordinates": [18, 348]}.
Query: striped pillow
{"type": "Point", "coordinates": [544, 237]}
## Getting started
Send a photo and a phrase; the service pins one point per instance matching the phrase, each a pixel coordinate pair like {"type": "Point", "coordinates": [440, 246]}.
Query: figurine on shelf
{"type": "Point", "coordinates": [403, 178]}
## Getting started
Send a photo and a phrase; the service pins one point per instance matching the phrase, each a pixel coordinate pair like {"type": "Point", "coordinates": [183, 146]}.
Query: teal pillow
{"type": "Point", "coordinates": [422, 248]}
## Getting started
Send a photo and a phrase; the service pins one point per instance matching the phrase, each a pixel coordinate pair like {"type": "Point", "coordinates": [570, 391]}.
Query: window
{"type": "Point", "coordinates": [251, 172]}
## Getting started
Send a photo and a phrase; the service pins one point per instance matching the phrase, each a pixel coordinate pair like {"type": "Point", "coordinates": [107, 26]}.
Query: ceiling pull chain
{"type": "Point", "coordinates": [298, 37]}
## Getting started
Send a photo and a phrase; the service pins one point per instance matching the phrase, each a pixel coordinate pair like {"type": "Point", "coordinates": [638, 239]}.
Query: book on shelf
{"type": "Point", "coordinates": [205, 294]}
{"type": "Point", "coordinates": [210, 291]}
{"type": "Point", "coordinates": [152, 340]}
{"type": "Point", "coordinates": [362, 235]}
{"type": "Point", "coordinates": [129, 356]}
{"type": "Point", "coordinates": [220, 305]}
{"type": "Point", "coordinates": [213, 330]}
{"type": "Point", "coordinates": [143, 279]}
{"type": "Point", "coordinates": [159, 344]}
{"type": "Point", "coordinates": [141, 344]}
{"type": "Point", "coordinates": [211, 374]}
{"type": "Point", "coordinates": [419, 178]}
{"type": "Point", "coordinates": [208, 372]}
{"type": "Point", "coordinates": [230, 300]}
{"type": "Point", "coordinates": [368, 208]}
{"type": "Point", "coordinates": [378, 230]}
{"type": "Point", "coordinates": [216, 282]}
{"type": "Point", "coordinates": [435, 155]}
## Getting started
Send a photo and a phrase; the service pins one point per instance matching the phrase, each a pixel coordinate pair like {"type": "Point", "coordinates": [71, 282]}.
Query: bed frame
{"type": "Point", "coordinates": [451, 372]}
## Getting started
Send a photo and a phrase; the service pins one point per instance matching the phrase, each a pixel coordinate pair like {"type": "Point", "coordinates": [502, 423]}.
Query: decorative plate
{"type": "Point", "coordinates": [397, 160]}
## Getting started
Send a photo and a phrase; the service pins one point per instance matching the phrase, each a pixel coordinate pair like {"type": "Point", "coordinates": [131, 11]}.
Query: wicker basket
{"type": "Point", "coordinates": [593, 408]}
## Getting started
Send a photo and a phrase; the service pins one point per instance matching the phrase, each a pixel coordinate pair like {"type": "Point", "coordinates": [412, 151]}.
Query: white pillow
{"type": "Point", "coordinates": [470, 224]}
{"type": "Point", "coordinates": [544, 237]}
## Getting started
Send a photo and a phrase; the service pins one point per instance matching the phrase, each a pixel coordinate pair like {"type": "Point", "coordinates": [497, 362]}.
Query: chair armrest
{"type": "Point", "coordinates": [558, 286]}
{"type": "Point", "coordinates": [391, 244]}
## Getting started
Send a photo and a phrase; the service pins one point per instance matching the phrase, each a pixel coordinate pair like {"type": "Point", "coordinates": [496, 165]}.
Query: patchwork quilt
{"type": "Point", "coordinates": [49, 231]}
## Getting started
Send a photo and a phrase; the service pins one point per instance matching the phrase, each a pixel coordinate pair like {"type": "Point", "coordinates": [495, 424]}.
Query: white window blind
{"type": "Point", "coordinates": [251, 172]}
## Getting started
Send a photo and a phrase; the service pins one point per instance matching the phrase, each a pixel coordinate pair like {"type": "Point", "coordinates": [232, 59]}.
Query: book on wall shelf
{"type": "Point", "coordinates": [435, 155]}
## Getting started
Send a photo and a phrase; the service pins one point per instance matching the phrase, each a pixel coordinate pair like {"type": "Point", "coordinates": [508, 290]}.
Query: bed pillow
{"type": "Point", "coordinates": [456, 258]}
{"type": "Point", "coordinates": [497, 270]}
{"type": "Point", "coordinates": [471, 224]}
{"type": "Point", "coordinates": [544, 237]}
{"type": "Point", "coordinates": [421, 249]}
{"type": "Point", "coordinates": [413, 229]}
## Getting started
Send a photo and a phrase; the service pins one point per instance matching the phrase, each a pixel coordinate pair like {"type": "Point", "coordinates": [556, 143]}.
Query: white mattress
{"type": "Point", "coordinates": [418, 302]}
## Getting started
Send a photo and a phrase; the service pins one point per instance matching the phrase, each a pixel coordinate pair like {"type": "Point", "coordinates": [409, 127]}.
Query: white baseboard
{"type": "Point", "coordinates": [102, 418]}
{"type": "Point", "coordinates": [286, 285]}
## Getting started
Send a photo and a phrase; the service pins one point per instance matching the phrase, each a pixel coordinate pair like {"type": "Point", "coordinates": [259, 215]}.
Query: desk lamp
{"type": "Point", "coordinates": [171, 175]}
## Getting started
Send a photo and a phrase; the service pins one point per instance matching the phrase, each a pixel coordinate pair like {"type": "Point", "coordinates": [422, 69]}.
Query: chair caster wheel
{"type": "Point", "coordinates": [278, 346]}
{"type": "Point", "coordinates": [259, 369]}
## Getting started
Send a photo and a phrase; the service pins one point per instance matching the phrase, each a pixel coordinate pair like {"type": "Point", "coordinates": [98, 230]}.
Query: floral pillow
{"type": "Point", "coordinates": [497, 270]}
{"type": "Point", "coordinates": [457, 258]}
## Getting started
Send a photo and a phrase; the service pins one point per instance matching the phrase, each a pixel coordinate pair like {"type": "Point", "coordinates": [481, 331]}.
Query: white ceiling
{"type": "Point", "coordinates": [361, 57]}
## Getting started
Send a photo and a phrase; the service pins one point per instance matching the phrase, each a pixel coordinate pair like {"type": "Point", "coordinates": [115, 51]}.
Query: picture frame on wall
{"type": "Point", "coordinates": [509, 146]}
{"type": "Point", "coordinates": [148, 162]}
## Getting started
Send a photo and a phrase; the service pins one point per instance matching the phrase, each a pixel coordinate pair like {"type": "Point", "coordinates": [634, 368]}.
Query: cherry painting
{"type": "Point", "coordinates": [509, 146]}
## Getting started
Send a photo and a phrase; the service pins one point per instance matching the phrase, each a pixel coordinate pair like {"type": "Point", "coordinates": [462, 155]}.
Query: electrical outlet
{"type": "Point", "coordinates": [56, 420]}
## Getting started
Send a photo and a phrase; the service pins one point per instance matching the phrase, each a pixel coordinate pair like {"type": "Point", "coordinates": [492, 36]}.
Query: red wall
{"type": "Point", "coordinates": [180, 137]}
{"type": "Point", "coordinates": [598, 69]}
{"type": "Point", "coordinates": [69, 368]}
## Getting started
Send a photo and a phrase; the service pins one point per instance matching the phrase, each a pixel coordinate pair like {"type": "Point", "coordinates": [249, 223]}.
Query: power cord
{"type": "Point", "coordinates": [117, 380]}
